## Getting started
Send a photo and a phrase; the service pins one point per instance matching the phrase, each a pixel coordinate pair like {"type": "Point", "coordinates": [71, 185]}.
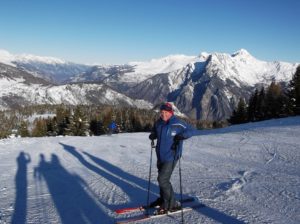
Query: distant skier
{"type": "Point", "coordinates": [112, 128]}
{"type": "Point", "coordinates": [169, 132]}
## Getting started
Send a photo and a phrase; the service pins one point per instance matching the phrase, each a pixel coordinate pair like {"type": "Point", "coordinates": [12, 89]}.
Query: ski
{"type": "Point", "coordinates": [145, 217]}
{"type": "Point", "coordinates": [143, 208]}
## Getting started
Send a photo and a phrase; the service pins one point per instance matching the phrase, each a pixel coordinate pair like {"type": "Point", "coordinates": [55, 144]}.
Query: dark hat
{"type": "Point", "coordinates": [167, 106]}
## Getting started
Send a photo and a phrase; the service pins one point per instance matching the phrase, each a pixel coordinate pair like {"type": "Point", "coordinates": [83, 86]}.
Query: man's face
{"type": "Point", "coordinates": [165, 115]}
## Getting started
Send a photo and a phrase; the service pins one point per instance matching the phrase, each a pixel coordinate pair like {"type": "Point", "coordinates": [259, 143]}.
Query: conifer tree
{"type": "Point", "coordinates": [79, 125]}
{"type": "Point", "coordinates": [107, 119]}
{"type": "Point", "coordinates": [294, 93]}
{"type": "Point", "coordinates": [274, 101]}
{"type": "Point", "coordinates": [63, 120]}
{"type": "Point", "coordinates": [40, 128]}
{"type": "Point", "coordinates": [240, 114]}
{"type": "Point", "coordinates": [260, 109]}
{"type": "Point", "coordinates": [253, 106]}
{"type": "Point", "coordinates": [136, 122]}
{"type": "Point", "coordinates": [52, 127]}
{"type": "Point", "coordinates": [96, 127]}
{"type": "Point", "coordinates": [23, 129]}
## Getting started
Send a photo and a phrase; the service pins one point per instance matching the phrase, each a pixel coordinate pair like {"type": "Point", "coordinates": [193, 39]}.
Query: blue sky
{"type": "Point", "coordinates": [120, 31]}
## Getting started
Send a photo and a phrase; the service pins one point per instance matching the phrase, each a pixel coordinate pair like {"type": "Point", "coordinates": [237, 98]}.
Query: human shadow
{"type": "Point", "coordinates": [19, 215]}
{"type": "Point", "coordinates": [69, 194]}
{"type": "Point", "coordinates": [137, 191]}
{"type": "Point", "coordinates": [134, 187]}
{"type": "Point", "coordinates": [207, 211]}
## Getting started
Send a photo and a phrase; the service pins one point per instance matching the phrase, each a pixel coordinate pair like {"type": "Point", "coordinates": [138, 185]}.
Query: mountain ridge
{"type": "Point", "coordinates": [204, 87]}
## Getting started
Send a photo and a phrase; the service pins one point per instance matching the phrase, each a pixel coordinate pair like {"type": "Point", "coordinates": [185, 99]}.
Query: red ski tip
{"type": "Point", "coordinates": [125, 210]}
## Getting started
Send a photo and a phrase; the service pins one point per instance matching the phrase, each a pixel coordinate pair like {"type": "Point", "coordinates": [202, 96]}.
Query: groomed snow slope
{"type": "Point", "coordinates": [244, 174]}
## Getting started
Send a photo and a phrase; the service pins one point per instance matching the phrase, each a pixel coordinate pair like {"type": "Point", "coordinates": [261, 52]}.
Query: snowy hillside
{"type": "Point", "coordinates": [19, 88]}
{"type": "Point", "coordinates": [243, 174]}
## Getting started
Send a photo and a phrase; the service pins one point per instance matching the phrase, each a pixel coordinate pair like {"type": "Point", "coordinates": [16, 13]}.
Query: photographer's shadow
{"type": "Point", "coordinates": [69, 193]}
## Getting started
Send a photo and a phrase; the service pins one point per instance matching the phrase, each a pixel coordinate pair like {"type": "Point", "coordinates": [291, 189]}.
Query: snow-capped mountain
{"type": "Point", "coordinates": [20, 88]}
{"type": "Point", "coordinates": [241, 66]}
{"type": "Point", "coordinates": [49, 68]}
{"type": "Point", "coordinates": [205, 87]}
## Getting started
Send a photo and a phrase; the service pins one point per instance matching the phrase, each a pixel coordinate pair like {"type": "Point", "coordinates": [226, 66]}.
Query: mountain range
{"type": "Point", "coordinates": [204, 87]}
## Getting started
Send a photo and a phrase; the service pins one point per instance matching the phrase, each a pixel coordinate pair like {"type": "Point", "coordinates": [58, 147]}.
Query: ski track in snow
{"type": "Point", "coordinates": [244, 174]}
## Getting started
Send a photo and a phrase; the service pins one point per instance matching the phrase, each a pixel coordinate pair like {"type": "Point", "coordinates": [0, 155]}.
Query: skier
{"type": "Point", "coordinates": [112, 128]}
{"type": "Point", "coordinates": [169, 132]}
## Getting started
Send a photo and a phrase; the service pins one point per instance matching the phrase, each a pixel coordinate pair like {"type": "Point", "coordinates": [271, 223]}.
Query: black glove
{"type": "Point", "coordinates": [178, 138]}
{"type": "Point", "coordinates": [152, 136]}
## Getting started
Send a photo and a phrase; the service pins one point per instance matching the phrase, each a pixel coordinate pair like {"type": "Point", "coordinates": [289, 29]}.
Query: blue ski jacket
{"type": "Point", "coordinates": [165, 133]}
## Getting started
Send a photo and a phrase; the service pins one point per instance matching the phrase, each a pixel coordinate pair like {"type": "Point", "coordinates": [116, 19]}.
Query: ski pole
{"type": "Point", "coordinates": [149, 180]}
{"type": "Point", "coordinates": [180, 183]}
{"type": "Point", "coordinates": [176, 145]}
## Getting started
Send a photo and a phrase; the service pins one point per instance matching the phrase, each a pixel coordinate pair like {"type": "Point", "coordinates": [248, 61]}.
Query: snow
{"type": "Point", "coordinates": [8, 58]}
{"type": "Point", "coordinates": [240, 67]}
{"type": "Point", "coordinates": [9, 85]}
{"type": "Point", "coordinates": [35, 116]}
{"type": "Point", "coordinates": [42, 59]}
{"type": "Point", "coordinates": [244, 173]}
{"type": "Point", "coordinates": [171, 63]}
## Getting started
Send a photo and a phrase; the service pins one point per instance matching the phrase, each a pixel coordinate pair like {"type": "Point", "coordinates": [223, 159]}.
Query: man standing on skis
{"type": "Point", "coordinates": [169, 132]}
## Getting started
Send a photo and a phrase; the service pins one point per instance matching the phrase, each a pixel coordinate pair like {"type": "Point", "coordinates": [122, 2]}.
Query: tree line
{"type": "Point", "coordinates": [276, 101]}
{"type": "Point", "coordinates": [81, 120]}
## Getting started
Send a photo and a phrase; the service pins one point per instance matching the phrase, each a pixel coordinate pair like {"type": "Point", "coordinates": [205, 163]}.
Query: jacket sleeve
{"type": "Point", "coordinates": [188, 131]}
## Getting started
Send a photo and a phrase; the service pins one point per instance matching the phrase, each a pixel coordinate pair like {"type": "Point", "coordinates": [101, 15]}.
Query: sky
{"type": "Point", "coordinates": [122, 31]}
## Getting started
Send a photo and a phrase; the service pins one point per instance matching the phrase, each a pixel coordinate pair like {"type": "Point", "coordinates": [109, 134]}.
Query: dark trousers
{"type": "Point", "coordinates": [165, 171]}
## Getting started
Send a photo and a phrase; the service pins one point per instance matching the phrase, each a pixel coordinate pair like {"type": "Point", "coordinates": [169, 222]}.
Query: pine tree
{"type": "Point", "coordinates": [294, 93]}
{"type": "Point", "coordinates": [107, 118]}
{"type": "Point", "coordinates": [274, 101]}
{"type": "Point", "coordinates": [253, 106]}
{"type": "Point", "coordinates": [52, 127]}
{"type": "Point", "coordinates": [240, 114]}
{"type": "Point", "coordinates": [79, 125]}
{"type": "Point", "coordinates": [136, 122]}
{"type": "Point", "coordinates": [40, 128]}
{"type": "Point", "coordinates": [96, 127]}
{"type": "Point", "coordinates": [261, 107]}
{"type": "Point", "coordinates": [63, 120]}
{"type": "Point", "coordinates": [23, 129]}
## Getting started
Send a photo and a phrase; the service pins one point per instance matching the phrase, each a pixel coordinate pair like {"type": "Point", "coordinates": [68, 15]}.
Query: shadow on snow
{"type": "Point", "coordinates": [70, 197]}
{"type": "Point", "coordinates": [19, 215]}
{"type": "Point", "coordinates": [135, 187]}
